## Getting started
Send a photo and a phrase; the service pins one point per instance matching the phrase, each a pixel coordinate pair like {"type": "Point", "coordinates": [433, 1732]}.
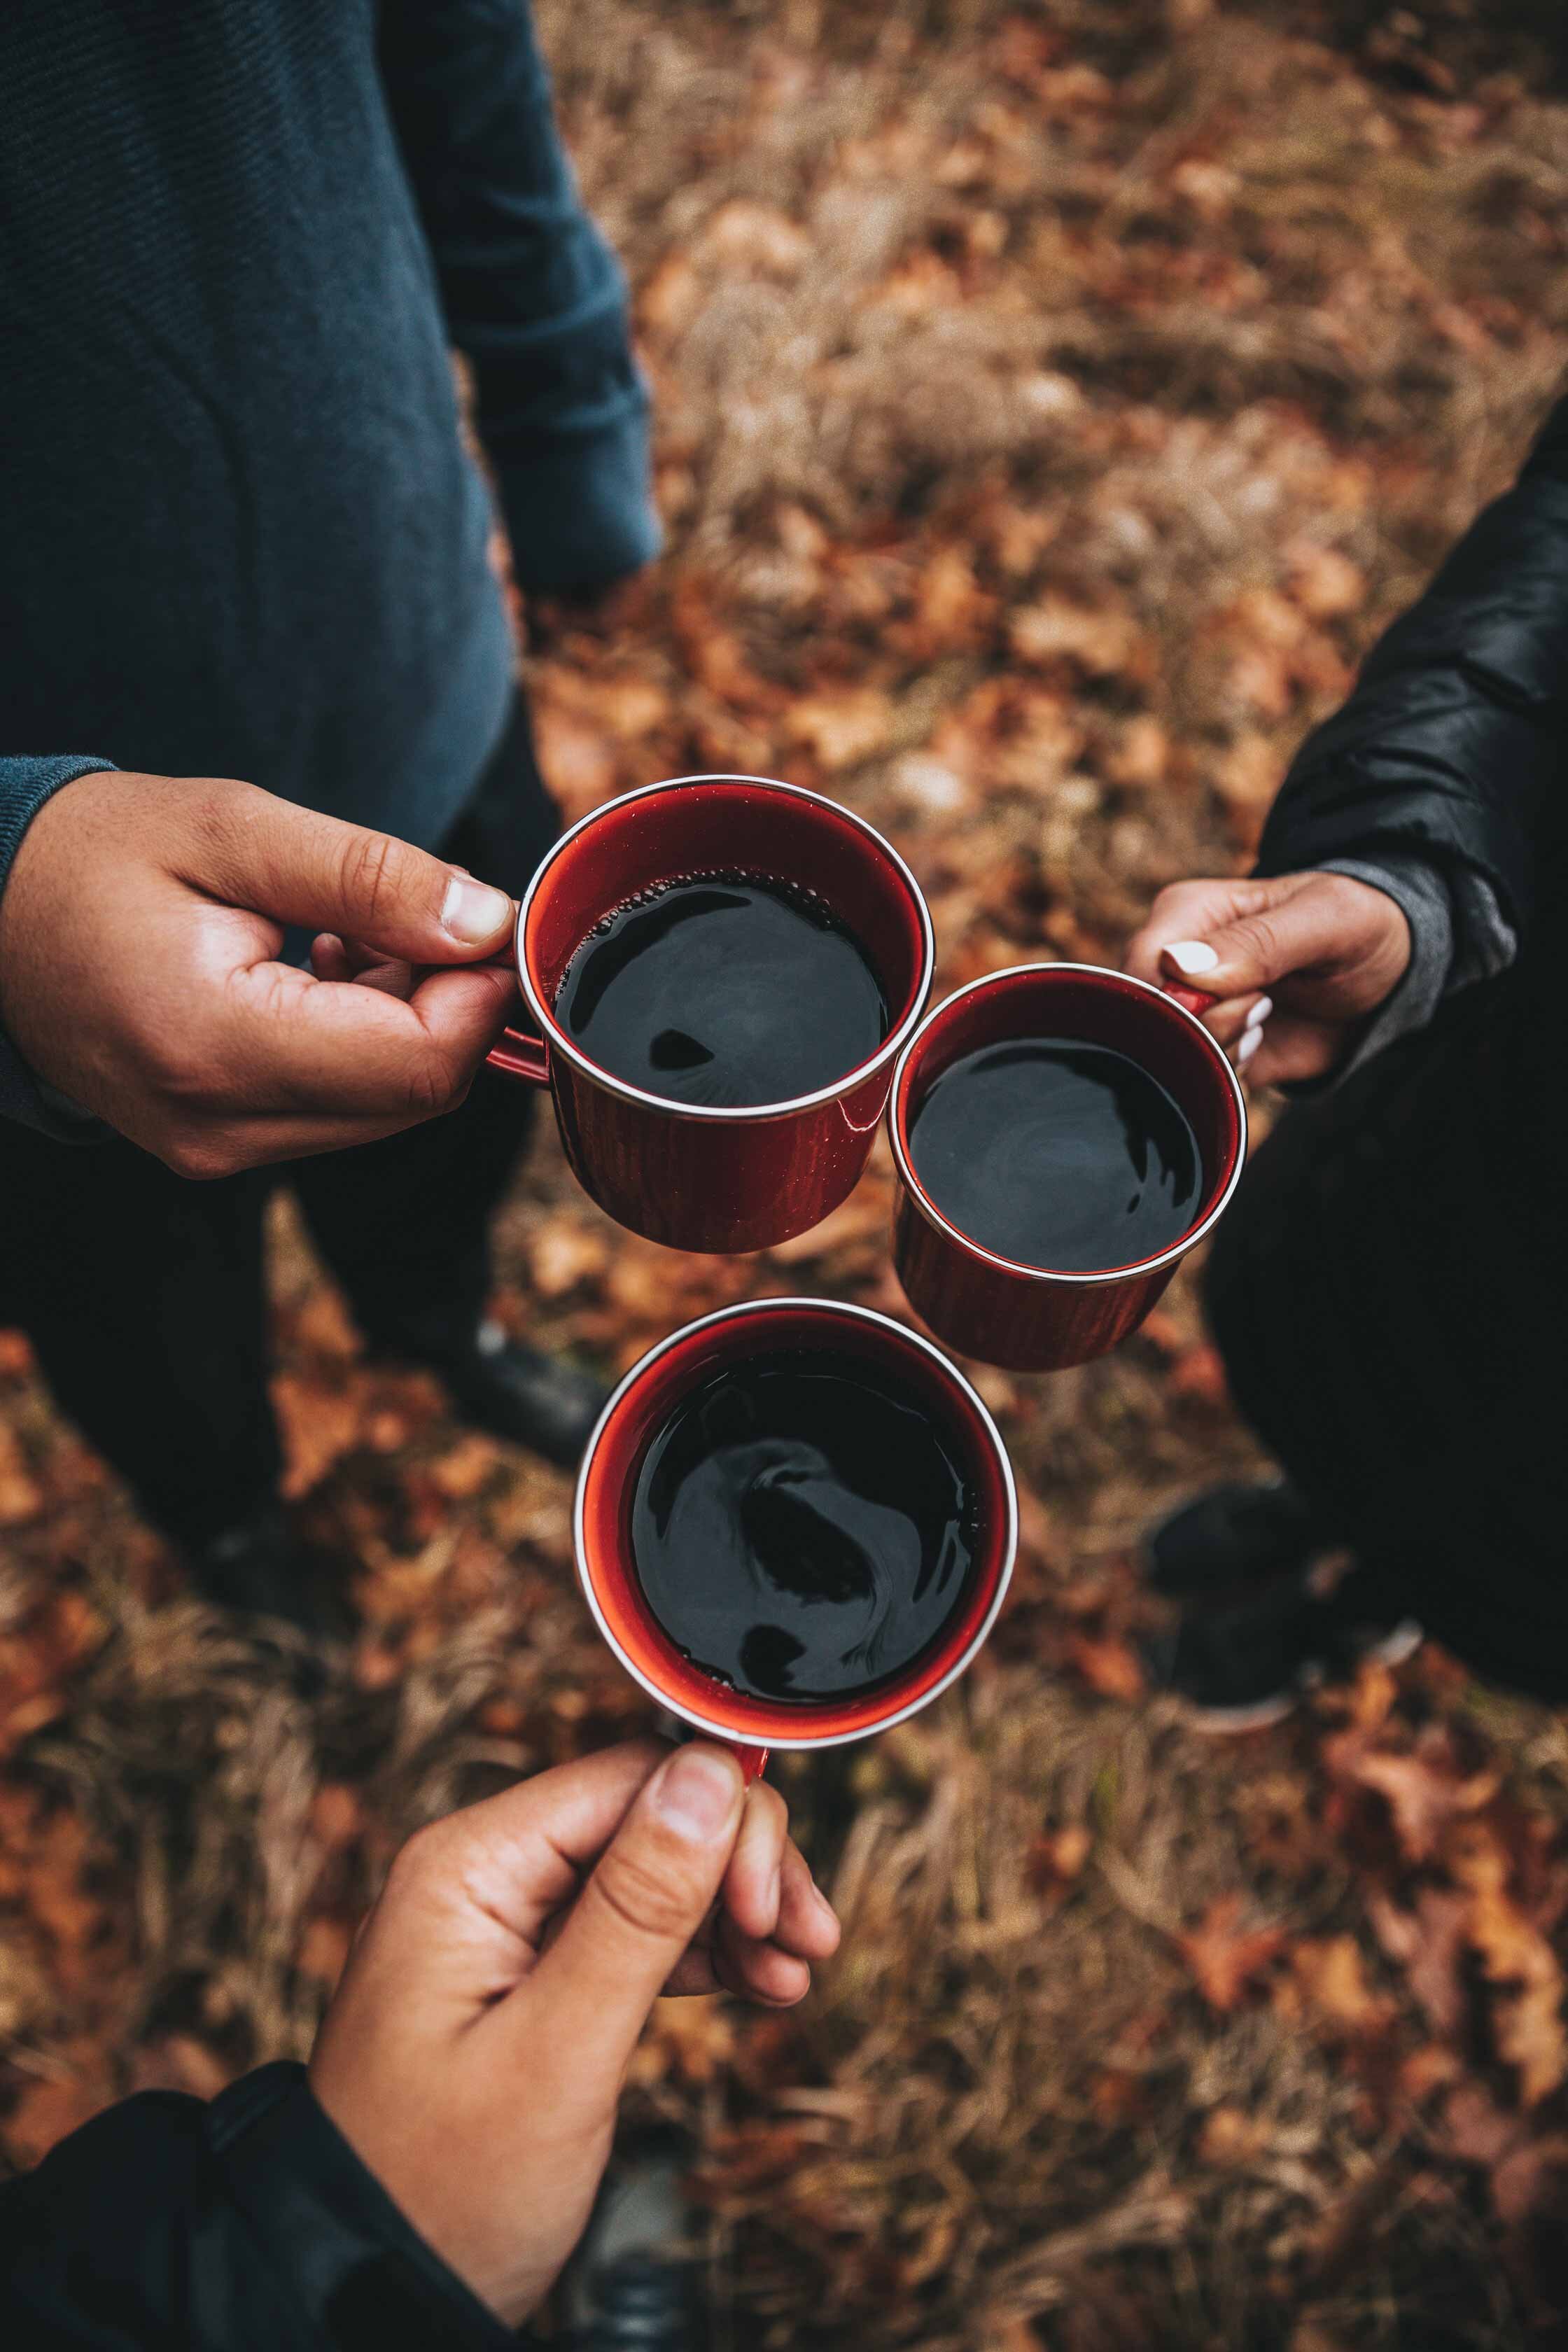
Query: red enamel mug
{"type": "Point", "coordinates": [998, 1309]}
{"type": "Point", "coordinates": [606, 1486]}
{"type": "Point", "coordinates": [693, 1176]}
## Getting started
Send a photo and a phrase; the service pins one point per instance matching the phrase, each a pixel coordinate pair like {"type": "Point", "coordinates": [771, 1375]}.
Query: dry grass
{"type": "Point", "coordinates": [1053, 402]}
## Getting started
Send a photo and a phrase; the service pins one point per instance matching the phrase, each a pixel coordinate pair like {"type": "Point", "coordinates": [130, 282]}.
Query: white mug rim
{"type": "Point", "coordinates": [558, 1042]}
{"type": "Point", "coordinates": [917, 1340]}
{"type": "Point", "coordinates": [921, 1199]}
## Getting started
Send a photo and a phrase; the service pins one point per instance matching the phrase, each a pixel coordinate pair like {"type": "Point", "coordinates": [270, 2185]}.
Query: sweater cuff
{"type": "Point", "coordinates": [25, 785]}
{"type": "Point", "coordinates": [1457, 934]}
{"type": "Point", "coordinates": [579, 509]}
{"type": "Point", "coordinates": [1418, 891]}
{"type": "Point", "coordinates": [362, 2272]}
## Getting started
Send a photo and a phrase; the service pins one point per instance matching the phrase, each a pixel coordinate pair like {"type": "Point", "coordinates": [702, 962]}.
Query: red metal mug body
{"type": "Point", "coordinates": [607, 1483]}
{"type": "Point", "coordinates": [1025, 1318]}
{"type": "Point", "coordinates": [692, 1176]}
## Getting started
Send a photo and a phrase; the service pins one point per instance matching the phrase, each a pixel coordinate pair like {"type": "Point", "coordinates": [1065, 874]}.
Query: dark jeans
{"type": "Point", "coordinates": [1389, 1292]}
{"type": "Point", "coordinates": [143, 1294]}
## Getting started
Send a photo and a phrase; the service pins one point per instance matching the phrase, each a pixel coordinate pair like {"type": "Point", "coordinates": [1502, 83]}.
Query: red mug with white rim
{"type": "Point", "coordinates": [606, 1486]}
{"type": "Point", "coordinates": [690, 1175]}
{"type": "Point", "coordinates": [1028, 1318]}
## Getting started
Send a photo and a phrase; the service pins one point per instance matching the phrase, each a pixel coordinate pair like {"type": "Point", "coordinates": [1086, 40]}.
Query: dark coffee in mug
{"type": "Point", "coordinates": [802, 1527]}
{"type": "Point", "coordinates": [724, 989]}
{"type": "Point", "coordinates": [1055, 1154]}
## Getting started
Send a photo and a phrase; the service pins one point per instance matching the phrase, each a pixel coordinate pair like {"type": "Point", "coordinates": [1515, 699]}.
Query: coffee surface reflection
{"type": "Point", "coordinates": [802, 1528]}
{"type": "Point", "coordinates": [1059, 1155]}
{"type": "Point", "coordinates": [724, 989]}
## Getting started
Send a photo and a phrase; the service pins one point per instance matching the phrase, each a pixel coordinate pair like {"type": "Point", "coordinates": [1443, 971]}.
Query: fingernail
{"type": "Point", "coordinates": [1191, 955]}
{"type": "Point", "coordinates": [473, 912]}
{"type": "Point", "coordinates": [699, 1793]}
{"type": "Point", "coordinates": [1247, 1045]}
{"type": "Point", "coordinates": [1259, 1014]}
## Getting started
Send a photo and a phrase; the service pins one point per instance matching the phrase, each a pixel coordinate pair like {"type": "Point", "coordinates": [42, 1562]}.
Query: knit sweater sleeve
{"type": "Point", "coordinates": [25, 785]}
{"type": "Point", "coordinates": [533, 296]}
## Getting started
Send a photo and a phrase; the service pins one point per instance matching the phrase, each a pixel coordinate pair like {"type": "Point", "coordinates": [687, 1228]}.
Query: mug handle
{"type": "Point", "coordinates": [753, 1761]}
{"type": "Point", "coordinates": [1191, 999]}
{"type": "Point", "coordinates": [519, 1055]}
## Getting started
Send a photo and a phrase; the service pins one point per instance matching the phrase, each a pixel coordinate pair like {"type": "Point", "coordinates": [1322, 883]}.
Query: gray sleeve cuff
{"type": "Point", "coordinates": [1457, 934]}
{"type": "Point", "coordinates": [25, 785]}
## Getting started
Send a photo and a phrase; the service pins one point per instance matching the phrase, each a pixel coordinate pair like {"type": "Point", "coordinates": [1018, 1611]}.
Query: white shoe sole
{"type": "Point", "coordinates": [1401, 1642]}
{"type": "Point", "coordinates": [1220, 1722]}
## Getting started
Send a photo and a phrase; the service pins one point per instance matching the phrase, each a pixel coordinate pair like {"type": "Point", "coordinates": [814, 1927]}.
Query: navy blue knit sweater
{"type": "Point", "coordinates": [238, 532]}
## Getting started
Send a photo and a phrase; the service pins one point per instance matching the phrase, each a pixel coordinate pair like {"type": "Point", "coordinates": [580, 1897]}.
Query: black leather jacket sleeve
{"type": "Point", "coordinates": [249, 2225]}
{"type": "Point", "coordinates": [1453, 745]}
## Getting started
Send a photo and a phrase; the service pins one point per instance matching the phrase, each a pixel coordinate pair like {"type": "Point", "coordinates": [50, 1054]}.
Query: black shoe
{"type": "Point", "coordinates": [259, 1569]}
{"type": "Point", "coordinates": [516, 1392]}
{"type": "Point", "coordinates": [640, 2303]}
{"type": "Point", "coordinates": [1232, 1538]}
{"type": "Point", "coordinates": [630, 2285]}
{"type": "Point", "coordinates": [1246, 1664]}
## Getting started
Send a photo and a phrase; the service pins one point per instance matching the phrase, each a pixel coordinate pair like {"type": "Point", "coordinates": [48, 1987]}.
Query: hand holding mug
{"type": "Point", "coordinates": [140, 929]}
{"type": "Point", "coordinates": [1291, 965]}
{"type": "Point", "coordinates": [475, 2051]}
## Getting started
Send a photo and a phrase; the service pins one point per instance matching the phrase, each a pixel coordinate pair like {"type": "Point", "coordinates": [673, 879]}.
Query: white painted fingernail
{"type": "Point", "coordinates": [1259, 1014]}
{"type": "Point", "coordinates": [1191, 955]}
{"type": "Point", "coordinates": [1247, 1045]}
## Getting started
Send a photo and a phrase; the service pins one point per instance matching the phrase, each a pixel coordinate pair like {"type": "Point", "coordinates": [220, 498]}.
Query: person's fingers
{"type": "Point", "coordinates": [753, 1880]}
{"type": "Point", "coordinates": [1187, 910]}
{"type": "Point", "coordinates": [345, 962]}
{"type": "Point", "coordinates": [1290, 1049]}
{"type": "Point", "coordinates": [1228, 1016]}
{"type": "Point", "coordinates": [254, 851]}
{"type": "Point", "coordinates": [648, 1896]}
{"type": "Point", "coordinates": [808, 1923]}
{"type": "Point", "coordinates": [1314, 925]}
{"type": "Point", "coordinates": [722, 1958]}
{"type": "Point", "coordinates": [754, 1968]}
{"type": "Point", "coordinates": [329, 958]}
{"type": "Point", "coordinates": [471, 1900]}
{"type": "Point", "coordinates": [295, 1044]}
{"type": "Point", "coordinates": [693, 1976]}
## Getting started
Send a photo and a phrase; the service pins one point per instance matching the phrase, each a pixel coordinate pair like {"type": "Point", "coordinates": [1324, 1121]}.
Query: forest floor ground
{"type": "Point", "coordinates": [1053, 401]}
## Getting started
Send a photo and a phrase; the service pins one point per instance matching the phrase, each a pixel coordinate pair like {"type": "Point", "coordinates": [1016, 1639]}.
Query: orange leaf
{"type": "Point", "coordinates": [578, 758]}
{"type": "Point", "coordinates": [21, 1496]}
{"type": "Point", "coordinates": [1224, 1960]}
{"type": "Point", "coordinates": [1331, 1975]}
{"type": "Point", "coordinates": [461, 1473]}
{"type": "Point", "coordinates": [1428, 1943]}
{"type": "Point", "coordinates": [564, 1253]}
{"type": "Point", "coordinates": [319, 1425]}
{"type": "Point", "coordinates": [841, 729]}
{"type": "Point", "coordinates": [1229, 2136]}
{"type": "Point", "coordinates": [1422, 1796]}
{"type": "Point", "coordinates": [335, 1816]}
{"type": "Point", "coordinates": [323, 1949]}
{"type": "Point", "coordinates": [1053, 630]}
{"type": "Point", "coordinates": [1107, 1666]}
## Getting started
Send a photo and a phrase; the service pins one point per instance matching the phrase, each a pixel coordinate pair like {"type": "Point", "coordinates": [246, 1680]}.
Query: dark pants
{"type": "Point", "coordinates": [1389, 1292]}
{"type": "Point", "coordinates": [145, 1296]}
